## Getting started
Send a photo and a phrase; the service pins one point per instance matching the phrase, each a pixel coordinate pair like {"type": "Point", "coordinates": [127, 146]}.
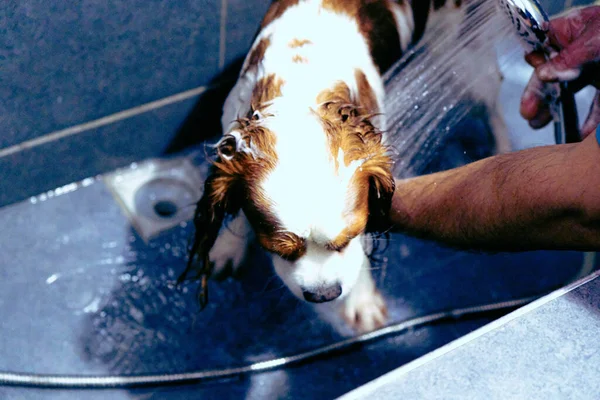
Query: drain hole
{"type": "Point", "coordinates": [165, 208]}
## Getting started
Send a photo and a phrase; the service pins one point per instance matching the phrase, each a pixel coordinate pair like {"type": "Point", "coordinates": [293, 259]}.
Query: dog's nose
{"type": "Point", "coordinates": [323, 294]}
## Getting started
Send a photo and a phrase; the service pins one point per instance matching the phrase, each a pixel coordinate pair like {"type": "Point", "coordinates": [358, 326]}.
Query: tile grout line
{"type": "Point", "coordinates": [109, 119]}
{"type": "Point", "coordinates": [223, 34]}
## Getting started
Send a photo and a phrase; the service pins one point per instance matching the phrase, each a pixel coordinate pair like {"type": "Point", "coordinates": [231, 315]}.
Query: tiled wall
{"type": "Point", "coordinates": [556, 6]}
{"type": "Point", "coordinates": [87, 86]}
{"type": "Point", "coordinates": [90, 85]}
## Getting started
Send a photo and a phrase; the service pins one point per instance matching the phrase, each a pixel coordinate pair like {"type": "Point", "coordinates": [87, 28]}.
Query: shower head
{"type": "Point", "coordinates": [530, 22]}
{"type": "Point", "coordinates": [531, 26]}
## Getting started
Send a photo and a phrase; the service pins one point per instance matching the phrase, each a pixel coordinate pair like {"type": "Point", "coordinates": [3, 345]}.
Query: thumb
{"type": "Point", "coordinates": [566, 65]}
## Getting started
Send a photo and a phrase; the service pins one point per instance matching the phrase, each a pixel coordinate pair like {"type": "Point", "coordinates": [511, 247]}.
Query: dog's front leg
{"type": "Point", "coordinates": [230, 248]}
{"type": "Point", "coordinates": [364, 308]}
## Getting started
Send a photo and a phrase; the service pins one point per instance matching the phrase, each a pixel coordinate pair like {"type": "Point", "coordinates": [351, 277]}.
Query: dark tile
{"type": "Point", "coordinates": [204, 120]}
{"type": "Point", "coordinates": [553, 7]}
{"type": "Point", "coordinates": [89, 153]}
{"type": "Point", "coordinates": [243, 20]}
{"type": "Point", "coordinates": [67, 63]}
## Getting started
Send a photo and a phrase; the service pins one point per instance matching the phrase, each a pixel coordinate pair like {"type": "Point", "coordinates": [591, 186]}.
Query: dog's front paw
{"type": "Point", "coordinates": [365, 311]}
{"type": "Point", "coordinates": [229, 250]}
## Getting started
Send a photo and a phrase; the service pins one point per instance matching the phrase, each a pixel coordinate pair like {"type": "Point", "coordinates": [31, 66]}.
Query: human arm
{"type": "Point", "coordinates": [540, 198]}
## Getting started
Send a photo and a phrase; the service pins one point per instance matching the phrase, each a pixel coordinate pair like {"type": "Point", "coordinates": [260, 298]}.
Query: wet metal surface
{"type": "Point", "coordinates": [83, 293]}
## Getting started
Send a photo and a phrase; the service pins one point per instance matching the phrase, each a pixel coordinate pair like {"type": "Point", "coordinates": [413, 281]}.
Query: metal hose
{"type": "Point", "coordinates": [128, 381]}
{"type": "Point", "coordinates": [123, 381]}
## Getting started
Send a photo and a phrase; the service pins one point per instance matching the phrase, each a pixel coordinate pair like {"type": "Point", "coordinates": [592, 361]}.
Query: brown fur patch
{"type": "Point", "coordinates": [285, 244]}
{"type": "Point", "coordinates": [276, 10]}
{"type": "Point", "coordinates": [348, 127]}
{"type": "Point", "coordinates": [295, 43]}
{"type": "Point", "coordinates": [265, 90]}
{"type": "Point", "coordinates": [377, 24]}
{"type": "Point", "coordinates": [298, 59]}
{"type": "Point", "coordinates": [341, 241]}
{"type": "Point", "coordinates": [367, 97]}
{"type": "Point", "coordinates": [257, 53]}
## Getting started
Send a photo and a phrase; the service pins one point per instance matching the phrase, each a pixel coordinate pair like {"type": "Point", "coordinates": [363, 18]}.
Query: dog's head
{"type": "Point", "coordinates": [311, 182]}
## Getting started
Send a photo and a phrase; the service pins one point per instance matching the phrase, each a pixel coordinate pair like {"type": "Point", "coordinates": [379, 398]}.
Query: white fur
{"type": "Point", "coordinates": [231, 244]}
{"type": "Point", "coordinates": [307, 195]}
{"type": "Point", "coordinates": [320, 267]}
{"type": "Point", "coordinates": [404, 22]}
{"type": "Point", "coordinates": [364, 306]}
{"type": "Point", "coordinates": [333, 37]}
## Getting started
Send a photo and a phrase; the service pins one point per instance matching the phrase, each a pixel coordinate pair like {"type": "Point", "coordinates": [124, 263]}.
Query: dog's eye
{"type": "Point", "coordinates": [227, 147]}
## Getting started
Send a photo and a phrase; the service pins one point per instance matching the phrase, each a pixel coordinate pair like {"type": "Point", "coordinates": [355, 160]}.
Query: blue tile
{"type": "Point", "coordinates": [89, 153]}
{"type": "Point", "coordinates": [243, 21]}
{"type": "Point", "coordinates": [64, 63]}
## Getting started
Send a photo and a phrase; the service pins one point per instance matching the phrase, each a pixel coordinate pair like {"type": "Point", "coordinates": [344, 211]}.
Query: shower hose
{"type": "Point", "coordinates": [123, 381]}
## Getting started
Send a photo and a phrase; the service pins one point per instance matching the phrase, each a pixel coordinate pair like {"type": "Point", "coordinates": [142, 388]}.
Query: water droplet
{"type": "Point", "coordinates": [53, 278]}
{"type": "Point", "coordinates": [87, 182]}
{"type": "Point", "coordinates": [93, 307]}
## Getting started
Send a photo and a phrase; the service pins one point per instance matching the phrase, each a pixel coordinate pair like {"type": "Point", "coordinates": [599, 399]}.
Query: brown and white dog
{"type": "Point", "coordinates": [303, 163]}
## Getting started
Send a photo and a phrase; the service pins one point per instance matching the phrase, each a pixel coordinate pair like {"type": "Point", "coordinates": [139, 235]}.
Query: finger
{"type": "Point", "coordinates": [543, 118]}
{"type": "Point", "coordinates": [535, 59]}
{"type": "Point", "coordinates": [533, 101]}
{"type": "Point", "coordinates": [593, 119]}
{"type": "Point", "coordinates": [565, 29]}
{"type": "Point", "coordinates": [566, 65]}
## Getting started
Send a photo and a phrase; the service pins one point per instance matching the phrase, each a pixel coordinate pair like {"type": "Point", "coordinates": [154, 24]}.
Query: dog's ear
{"type": "Point", "coordinates": [221, 197]}
{"type": "Point", "coordinates": [381, 190]}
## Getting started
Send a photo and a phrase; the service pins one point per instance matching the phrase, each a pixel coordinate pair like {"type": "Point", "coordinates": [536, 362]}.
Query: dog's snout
{"type": "Point", "coordinates": [323, 294]}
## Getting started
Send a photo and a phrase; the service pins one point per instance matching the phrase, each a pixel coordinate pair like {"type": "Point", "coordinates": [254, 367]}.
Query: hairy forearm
{"type": "Point", "coordinates": [540, 198]}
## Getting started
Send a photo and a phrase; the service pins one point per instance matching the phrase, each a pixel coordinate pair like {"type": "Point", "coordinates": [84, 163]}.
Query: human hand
{"type": "Point", "coordinates": [575, 37]}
